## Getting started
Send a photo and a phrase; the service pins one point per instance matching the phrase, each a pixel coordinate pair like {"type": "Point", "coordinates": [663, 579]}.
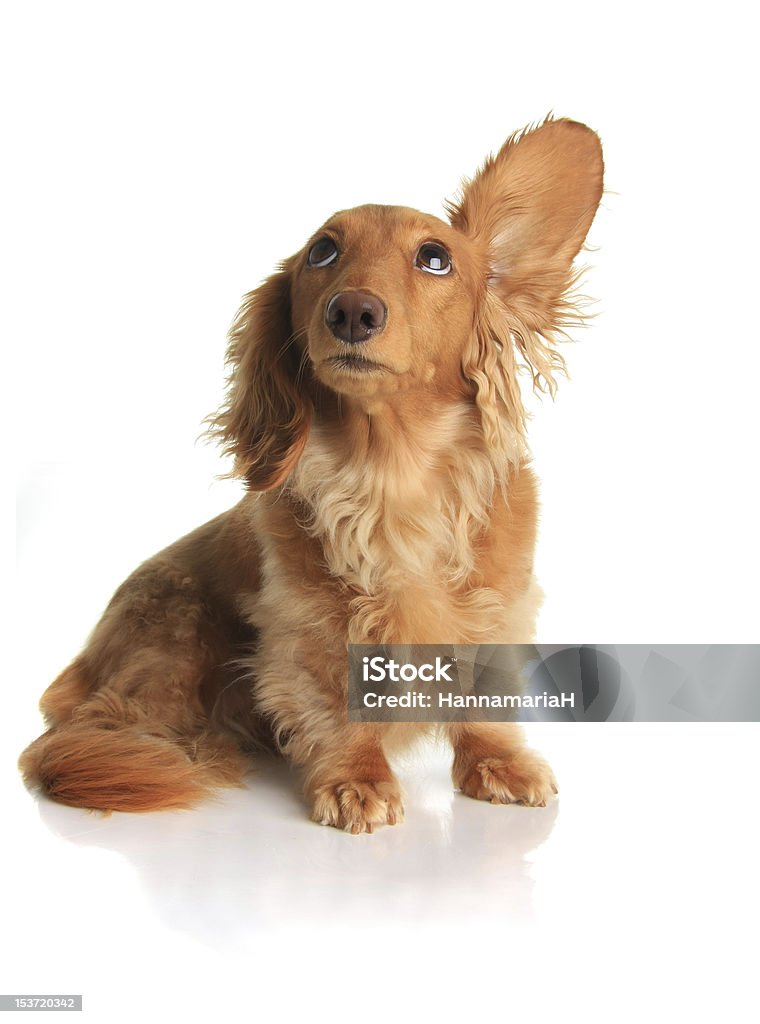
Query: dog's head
{"type": "Point", "coordinates": [385, 306]}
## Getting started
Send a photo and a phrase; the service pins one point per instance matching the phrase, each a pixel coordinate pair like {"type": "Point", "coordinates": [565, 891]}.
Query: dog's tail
{"type": "Point", "coordinates": [88, 765]}
{"type": "Point", "coordinates": [111, 753]}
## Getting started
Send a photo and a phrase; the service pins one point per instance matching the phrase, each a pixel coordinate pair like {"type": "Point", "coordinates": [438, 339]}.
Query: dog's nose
{"type": "Point", "coordinates": [353, 317]}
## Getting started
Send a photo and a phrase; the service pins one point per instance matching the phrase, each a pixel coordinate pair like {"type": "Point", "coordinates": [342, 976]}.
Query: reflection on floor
{"type": "Point", "coordinates": [252, 856]}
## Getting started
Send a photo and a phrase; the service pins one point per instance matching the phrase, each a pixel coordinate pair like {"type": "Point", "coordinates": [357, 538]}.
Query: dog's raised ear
{"type": "Point", "coordinates": [528, 209]}
{"type": "Point", "coordinates": [265, 420]}
{"type": "Point", "coordinates": [531, 207]}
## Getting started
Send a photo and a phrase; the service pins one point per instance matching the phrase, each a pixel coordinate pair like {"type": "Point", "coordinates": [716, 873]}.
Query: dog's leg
{"type": "Point", "coordinates": [128, 727]}
{"type": "Point", "coordinates": [137, 721]}
{"type": "Point", "coordinates": [350, 784]}
{"type": "Point", "coordinates": [491, 762]}
{"type": "Point", "coordinates": [347, 779]}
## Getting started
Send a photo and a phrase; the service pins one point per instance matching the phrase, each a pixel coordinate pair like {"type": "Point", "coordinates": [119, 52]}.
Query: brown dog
{"type": "Point", "coordinates": [375, 414]}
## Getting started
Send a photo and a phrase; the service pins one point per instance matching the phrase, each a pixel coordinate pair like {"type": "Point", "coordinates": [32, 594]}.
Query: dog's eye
{"type": "Point", "coordinates": [433, 258]}
{"type": "Point", "coordinates": [323, 252]}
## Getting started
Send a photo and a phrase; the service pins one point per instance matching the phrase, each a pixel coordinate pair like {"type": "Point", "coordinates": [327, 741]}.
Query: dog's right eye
{"type": "Point", "coordinates": [323, 252]}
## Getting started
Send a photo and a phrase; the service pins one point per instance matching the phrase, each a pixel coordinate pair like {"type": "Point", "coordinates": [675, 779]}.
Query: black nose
{"type": "Point", "coordinates": [354, 317]}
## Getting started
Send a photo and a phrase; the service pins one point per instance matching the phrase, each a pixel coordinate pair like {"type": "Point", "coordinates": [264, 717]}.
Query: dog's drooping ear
{"type": "Point", "coordinates": [265, 421]}
{"type": "Point", "coordinates": [528, 209]}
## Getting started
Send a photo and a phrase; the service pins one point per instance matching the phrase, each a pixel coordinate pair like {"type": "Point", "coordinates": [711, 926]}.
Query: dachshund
{"type": "Point", "coordinates": [375, 415]}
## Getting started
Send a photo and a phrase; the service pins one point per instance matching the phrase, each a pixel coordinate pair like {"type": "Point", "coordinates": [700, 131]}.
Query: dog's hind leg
{"type": "Point", "coordinates": [131, 720]}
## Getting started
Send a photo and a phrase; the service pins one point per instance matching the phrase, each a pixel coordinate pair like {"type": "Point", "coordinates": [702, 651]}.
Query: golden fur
{"type": "Point", "coordinates": [388, 500]}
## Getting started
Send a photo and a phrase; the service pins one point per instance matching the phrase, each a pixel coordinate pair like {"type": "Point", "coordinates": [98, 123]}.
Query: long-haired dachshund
{"type": "Point", "coordinates": [375, 415]}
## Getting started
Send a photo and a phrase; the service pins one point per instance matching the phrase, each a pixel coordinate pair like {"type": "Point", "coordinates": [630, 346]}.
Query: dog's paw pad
{"type": "Point", "coordinates": [522, 778]}
{"type": "Point", "coordinates": [358, 806]}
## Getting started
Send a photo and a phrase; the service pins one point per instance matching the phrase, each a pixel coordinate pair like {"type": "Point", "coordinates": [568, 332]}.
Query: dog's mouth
{"type": "Point", "coordinates": [355, 363]}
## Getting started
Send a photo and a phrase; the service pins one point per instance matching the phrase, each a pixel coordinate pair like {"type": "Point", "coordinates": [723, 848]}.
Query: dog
{"type": "Point", "coordinates": [375, 414]}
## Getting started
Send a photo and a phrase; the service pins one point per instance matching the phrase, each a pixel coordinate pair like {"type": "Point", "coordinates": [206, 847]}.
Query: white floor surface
{"type": "Point", "coordinates": [633, 896]}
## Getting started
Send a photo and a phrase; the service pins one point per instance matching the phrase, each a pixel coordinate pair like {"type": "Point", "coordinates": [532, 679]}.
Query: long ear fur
{"type": "Point", "coordinates": [529, 209]}
{"type": "Point", "coordinates": [265, 420]}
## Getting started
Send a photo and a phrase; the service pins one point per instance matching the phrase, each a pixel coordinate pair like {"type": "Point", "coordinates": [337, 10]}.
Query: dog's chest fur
{"type": "Point", "coordinates": [397, 527]}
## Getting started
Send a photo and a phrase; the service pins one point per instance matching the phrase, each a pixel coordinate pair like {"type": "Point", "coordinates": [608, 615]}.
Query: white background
{"type": "Point", "coordinates": [160, 159]}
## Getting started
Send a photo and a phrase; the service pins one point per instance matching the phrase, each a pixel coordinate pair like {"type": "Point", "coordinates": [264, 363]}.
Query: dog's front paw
{"type": "Point", "coordinates": [519, 778]}
{"type": "Point", "coordinates": [358, 806]}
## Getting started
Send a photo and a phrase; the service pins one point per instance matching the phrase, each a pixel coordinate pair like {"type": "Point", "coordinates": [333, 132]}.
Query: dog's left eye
{"type": "Point", "coordinates": [323, 251]}
{"type": "Point", "coordinates": [433, 258]}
